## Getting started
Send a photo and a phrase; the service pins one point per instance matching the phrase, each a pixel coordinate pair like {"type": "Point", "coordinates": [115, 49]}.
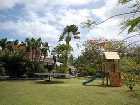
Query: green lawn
{"type": "Point", "coordinates": [65, 92]}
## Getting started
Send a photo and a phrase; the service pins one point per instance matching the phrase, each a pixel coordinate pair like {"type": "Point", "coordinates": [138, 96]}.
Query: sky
{"type": "Point", "coordinates": [47, 18]}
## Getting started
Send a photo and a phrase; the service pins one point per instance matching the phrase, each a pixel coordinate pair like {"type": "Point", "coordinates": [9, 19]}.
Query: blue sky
{"type": "Point", "coordinates": [47, 18]}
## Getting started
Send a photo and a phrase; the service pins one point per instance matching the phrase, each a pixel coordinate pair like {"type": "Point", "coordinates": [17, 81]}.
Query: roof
{"type": "Point", "coordinates": [111, 55]}
{"type": "Point", "coordinates": [48, 59]}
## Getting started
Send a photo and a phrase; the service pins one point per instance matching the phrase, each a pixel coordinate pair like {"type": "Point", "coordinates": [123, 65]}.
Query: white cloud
{"type": "Point", "coordinates": [37, 4]}
{"type": "Point", "coordinates": [101, 12]}
{"type": "Point", "coordinates": [34, 4]}
{"type": "Point", "coordinates": [72, 2]}
{"type": "Point", "coordinates": [111, 8]}
{"type": "Point", "coordinates": [77, 48]}
{"type": "Point", "coordinates": [32, 29]}
{"type": "Point", "coordinates": [31, 24]}
{"type": "Point", "coordinates": [107, 30]}
{"type": "Point", "coordinates": [72, 16]}
{"type": "Point", "coordinates": [8, 3]}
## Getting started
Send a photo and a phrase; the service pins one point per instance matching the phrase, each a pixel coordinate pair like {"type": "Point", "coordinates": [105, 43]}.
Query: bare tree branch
{"type": "Point", "coordinates": [132, 43]}
{"type": "Point", "coordinates": [131, 36]}
{"type": "Point", "coordinates": [117, 16]}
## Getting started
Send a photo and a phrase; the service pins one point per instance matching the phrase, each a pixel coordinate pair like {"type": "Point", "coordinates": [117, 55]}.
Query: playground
{"type": "Point", "coordinates": [70, 52]}
{"type": "Point", "coordinates": [110, 70]}
{"type": "Point", "coordinates": [65, 92]}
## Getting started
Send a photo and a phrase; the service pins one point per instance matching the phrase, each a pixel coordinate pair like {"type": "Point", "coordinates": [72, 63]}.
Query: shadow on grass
{"type": "Point", "coordinates": [133, 91]}
{"type": "Point", "coordinates": [14, 80]}
{"type": "Point", "coordinates": [133, 94]}
{"type": "Point", "coordinates": [49, 82]}
{"type": "Point", "coordinates": [101, 85]}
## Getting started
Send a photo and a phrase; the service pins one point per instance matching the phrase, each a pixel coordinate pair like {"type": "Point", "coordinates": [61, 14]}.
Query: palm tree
{"type": "Point", "coordinates": [9, 45]}
{"type": "Point", "coordinates": [45, 49]}
{"type": "Point", "coordinates": [37, 47]}
{"type": "Point", "coordinates": [15, 44]}
{"type": "Point", "coordinates": [33, 46]}
{"type": "Point", "coordinates": [28, 47]}
{"type": "Point", "coordinates": [3, 43]}
{"type": "Point", "coordinates": [69, 32]}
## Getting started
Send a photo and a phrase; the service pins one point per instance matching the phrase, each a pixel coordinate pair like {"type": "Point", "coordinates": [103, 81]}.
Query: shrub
{"type": "Point", "coordinates": [130, 84]}
{"type": "Point", "coordinates": [14, 63]}
{"type": "Point", "coordinates": [2, 70]}
{"type": "Point", "coordinates": [34, 67]}
{"type": "Point", "coordinates": [62, 69]}
{"type": "Point", "coordinates": [129, 79]}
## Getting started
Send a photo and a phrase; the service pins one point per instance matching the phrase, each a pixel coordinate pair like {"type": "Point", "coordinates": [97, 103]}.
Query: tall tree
{"type": "Point", "coordinates": [69, 32]}
{"type": "Point", "coordinates": [90, 60]}
{"type": "Point", "coordinates": [45, 49]}
{"type": "Point", "coordinates": [9, 45]}
{"type": "Point", "coordinates": [61, 50]}
{"type": "Point", "coordinates": [33, 47]}
{"type": "Point", "coordinates": [38, 44]}
{"type": "Point", "coordinates": [116, 46]}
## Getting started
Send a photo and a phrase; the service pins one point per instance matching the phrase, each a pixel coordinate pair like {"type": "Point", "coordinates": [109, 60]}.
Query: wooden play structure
{"type": "Point", "coordinates": [111, 68]}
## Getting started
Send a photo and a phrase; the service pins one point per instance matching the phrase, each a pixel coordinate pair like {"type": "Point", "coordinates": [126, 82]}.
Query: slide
{"type": "Point", "coordinates": [97, 75]}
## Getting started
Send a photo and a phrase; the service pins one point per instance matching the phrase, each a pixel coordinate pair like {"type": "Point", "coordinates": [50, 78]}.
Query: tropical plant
{"type": "Point", "coordinates": [14, 63]}
{"type": "Point", "coordinates": [16, 42]}
{"type": "Point", "coordinates": [130, 84]}
{"type": "Point", "coordinates": [69, 32]}
{"type": "Point", "coordinates": [130, 79]}
{"type": "Point", "coordinates": [33, 48]}
{"type": "Point", "coordinates": [62, 50]}
{"type": "Point", "coordinates": [61, 69]}
{"type": "Point", "coordinates": [128, 63]}
{"type": "Point", "coordinates": [23, 58]}
{"type": "Point", "coordinates": [36, 49]}
{"type": "Point", "coordinates": [9, 45]}
{"type": "Point", "coordinates": [2, 70]}
{"type": "Point", "coordinates": [90, 60]}
{"type": "Point", "coordinates": [45, 49]}
{"type": "Point", "coordinates": [34, 67]}
{"type": "Point", "coordinates": [131, 24]}
{"type": "Point", "coordinates": [3, 43]}
{"type": "Point", "coordinates": [88, 23]}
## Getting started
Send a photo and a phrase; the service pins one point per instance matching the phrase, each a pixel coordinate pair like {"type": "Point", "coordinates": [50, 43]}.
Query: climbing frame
{"type": "Point", "coordinates": [110, 66]}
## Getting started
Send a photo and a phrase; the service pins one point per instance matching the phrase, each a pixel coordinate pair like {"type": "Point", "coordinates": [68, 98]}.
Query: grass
{"type": "Point", "coordinates": [65, 92]}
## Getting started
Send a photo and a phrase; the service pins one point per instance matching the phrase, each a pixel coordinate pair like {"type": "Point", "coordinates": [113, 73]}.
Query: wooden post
{"type": "Point", "coordinates": [107, 79]}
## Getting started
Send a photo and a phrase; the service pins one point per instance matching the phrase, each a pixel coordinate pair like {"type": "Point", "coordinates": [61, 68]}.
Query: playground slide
{"type": "Point", "coordinates": [97, 75]}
